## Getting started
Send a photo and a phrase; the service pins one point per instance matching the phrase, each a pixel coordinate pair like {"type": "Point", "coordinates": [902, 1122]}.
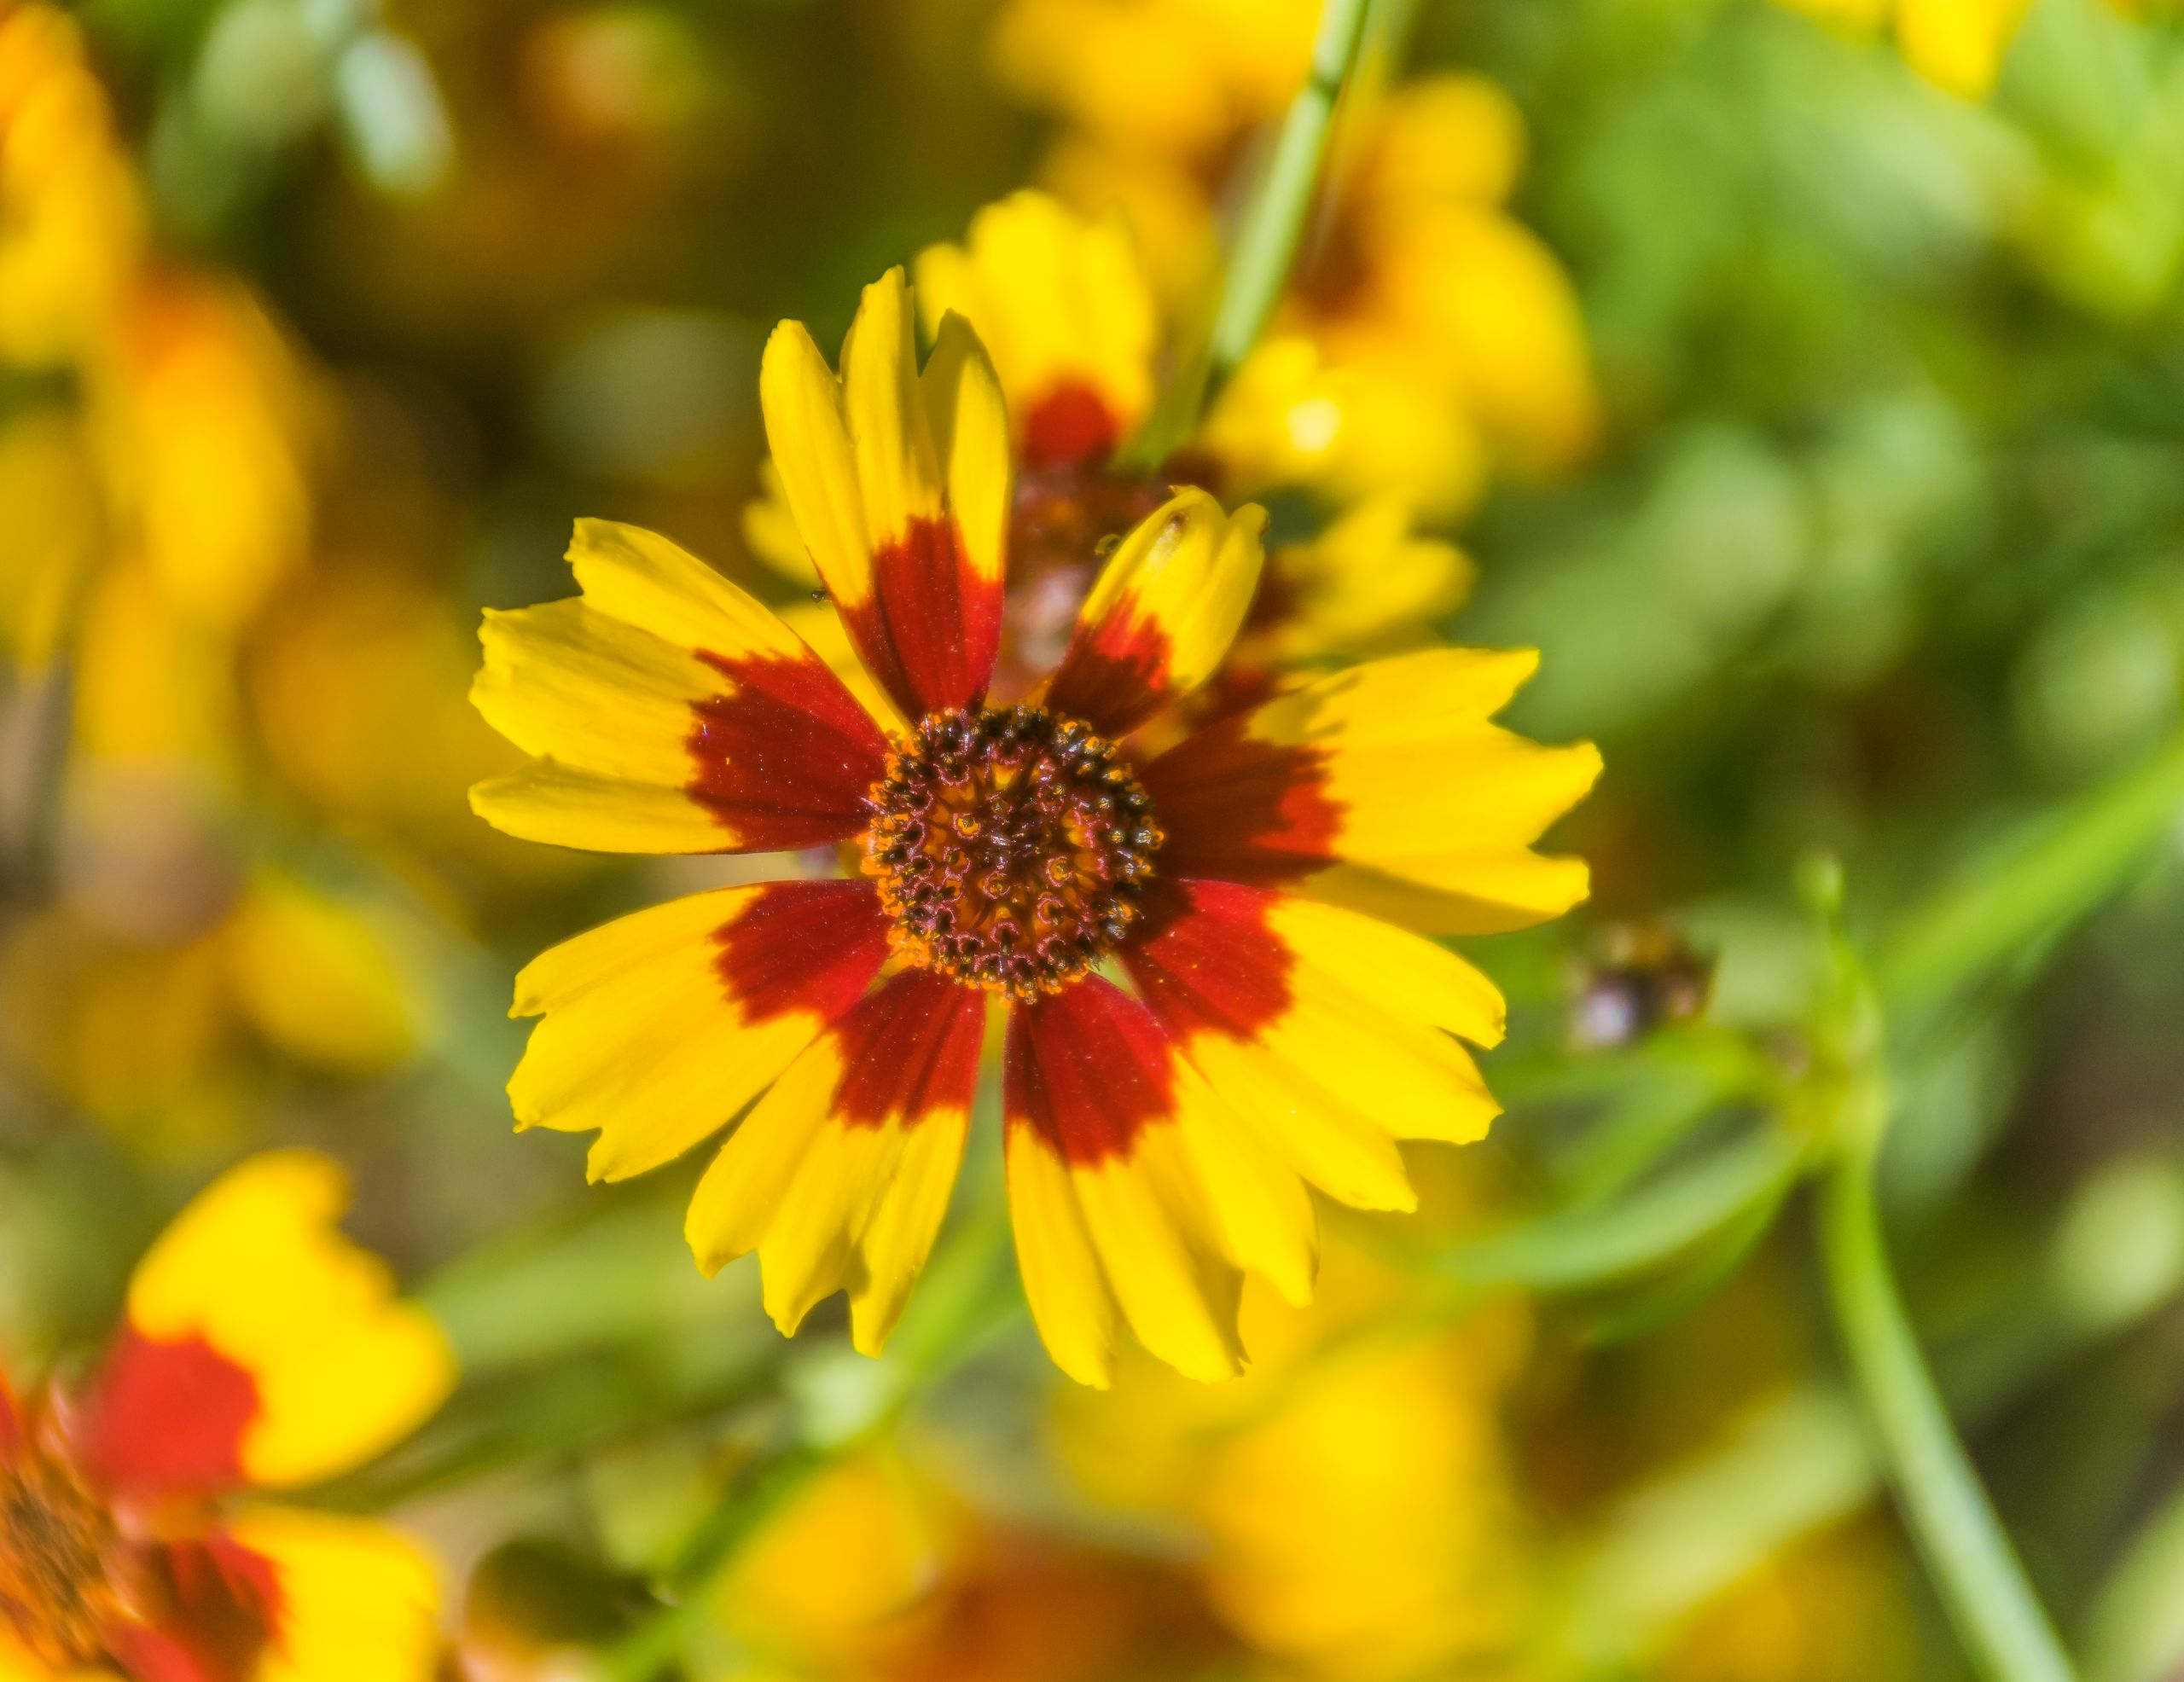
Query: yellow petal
{"type": "Point", "coordinates": [358, 1602]}
{"type": "Point", "coordinates": [1365, 584]}
{"type": "Point", "coordinates": [1162, 612]}
{"type": "Point", "coordinates": [1179, 1302]}
{"type": "Point", "coordinates": [660, 1026]}
{"type": "Point", "coordinates": [770, 530]}
{"type": "Point", "coordinates": [256, 1268]}
{"type": "Point", "coordinates": [970, 429]}
{"type": "Point", "coordinates": [1093, 1086]}
{"type": "Point", "coordinates": [840, 1177]}
{"type": "Point", "coordinates": [596, 695]}
{"type": "Point", "coordinates": [1258, 1208]}
{"type": "Point", "coordinates": [643, 580]}
{"type": "Point", "coordinates": [1383, 788]}
{"type": "Point", "coordinates": [1076, 1313]}
{"type": "Point", "coordinates": [916, 578]}
{"type": "Point", "coordinates": [808, 434]}
{"type": "Point", "coordinates": [672, 712]}
{"type": "Point", "coordinates": [1330, 1035]}
{"type": "Point", "coordinates": [562, 808]}
{"type": "Point", "coordinates": [889, 431]}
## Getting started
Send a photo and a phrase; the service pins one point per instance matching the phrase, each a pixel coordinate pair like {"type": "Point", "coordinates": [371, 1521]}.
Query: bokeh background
{"type": "Point", "coordinates": [1805, 381]}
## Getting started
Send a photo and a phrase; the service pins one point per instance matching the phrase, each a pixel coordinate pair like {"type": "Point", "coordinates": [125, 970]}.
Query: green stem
{"type": "Point", "coordinates": [1267, 235]}
{"type": "Point", "coordinates": [1980, 1577]}
{"type": "Point", "coordinates": [1274, 222]}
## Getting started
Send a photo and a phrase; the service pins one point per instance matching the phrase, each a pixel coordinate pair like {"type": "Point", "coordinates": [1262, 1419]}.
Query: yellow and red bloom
{"type": "Point", "coordinates": [1073, 326]}
{"type": "Point", "coordinates": [1017, 854]}
{"type": "Point", "coordinates": [259, 1351]}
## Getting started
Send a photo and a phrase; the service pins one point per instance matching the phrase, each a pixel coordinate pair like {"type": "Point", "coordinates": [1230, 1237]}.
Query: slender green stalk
{"type": "Point", "coordinates": [1267, 234]}
{"type": "Point", "coordinates": [1980, 1577]}
{"type": "Point", "coordinates": [1274, 222]}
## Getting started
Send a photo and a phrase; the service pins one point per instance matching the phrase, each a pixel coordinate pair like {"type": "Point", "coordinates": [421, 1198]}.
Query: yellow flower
{"type": "Point", "coordinates": [1265, 883]}
{"type": "Point", "coordinates": [1355, 1497]}
{"type": "Point", "coordinates": [259, 1351]}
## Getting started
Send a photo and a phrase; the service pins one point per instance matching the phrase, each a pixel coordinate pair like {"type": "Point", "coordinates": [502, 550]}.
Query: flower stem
{"type": "Point", "coordinates": [1980, 1577]}
{"type": "Point", "coordinates": [1274, 221]}
{"type": "Point", "coordinates": [1267, 234]}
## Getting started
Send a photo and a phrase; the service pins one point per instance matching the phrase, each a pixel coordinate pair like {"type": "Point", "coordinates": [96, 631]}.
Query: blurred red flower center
{"type": "Point", "coordinates": [1011, 845]}
{"type": "Point", "coordinates": [1065, 516]}
{"type": "Point", "coordinates": [55, 1540]}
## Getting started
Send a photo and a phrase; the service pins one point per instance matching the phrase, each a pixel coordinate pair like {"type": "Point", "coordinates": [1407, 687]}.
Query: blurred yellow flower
{"type": "Point", "coordinates": [268, 966]}
{"type": "Point", "coordinates": [1958, 45]}
{"type": "Point", "coordinates": [1355, 1493]}
{"type": "Point", "coordinates": [1158, 76]}
{"type": "Point", "coordinates": [880, 1569]}
{"type": "Point", "coordinates": [315, 978]}
{"type": "Point", "coordinates": [259, 1351]}
{"type": "Point", "coordinates": [153, 686]}
{"type": "Point", "coordinates": [70, 217]}
{"type": "Point", "coordinates": [205, 426]}
{"type": "Point", "coordinates": [1831, 1606]}
{"type": "Point", "coordinates": [819, 1583]}
{"type": "Point", "coordinates": [1428, 333]}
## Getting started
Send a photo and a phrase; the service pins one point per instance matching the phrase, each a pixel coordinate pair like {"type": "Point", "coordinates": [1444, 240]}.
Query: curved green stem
{"type": "Point", "coordinates": [1274, 222]}
{"type": "Point", "coordinates": [1267, 234]}
{"type": "Point", "coordinates": [1978, 1572]}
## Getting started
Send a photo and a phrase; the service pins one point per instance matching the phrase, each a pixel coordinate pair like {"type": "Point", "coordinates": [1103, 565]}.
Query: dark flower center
{"type": "Point", "coordinates": [55, 1540]}
{"type": "Point", "coordinates": [1011, 845]}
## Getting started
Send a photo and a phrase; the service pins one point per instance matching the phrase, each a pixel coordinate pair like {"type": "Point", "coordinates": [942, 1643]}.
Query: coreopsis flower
{"type": "Point", "coordinates": [259, 1351]}
{"type": "Point", "coordinates": [1263, 886]}
{"type": "Point", "coordinates": [1072, 326]}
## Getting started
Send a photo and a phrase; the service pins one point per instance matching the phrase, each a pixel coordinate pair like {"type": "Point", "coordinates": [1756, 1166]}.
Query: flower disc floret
{"type": "Point", "coordinates": [56, 1594]}
{"type": "Point", "coordinates": [1011, 846]}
